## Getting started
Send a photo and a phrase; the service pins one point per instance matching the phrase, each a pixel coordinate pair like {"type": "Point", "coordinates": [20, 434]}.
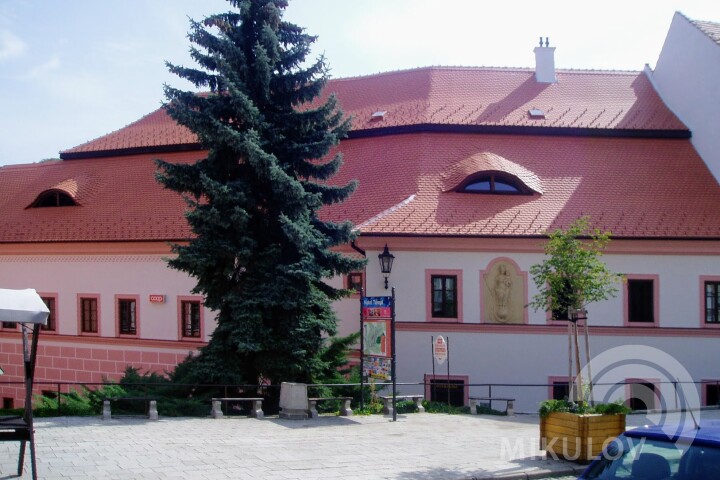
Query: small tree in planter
{"type": "Point", "coordinates": [579, 432]}
{"type": "Point", "coordinates": [571, 277]}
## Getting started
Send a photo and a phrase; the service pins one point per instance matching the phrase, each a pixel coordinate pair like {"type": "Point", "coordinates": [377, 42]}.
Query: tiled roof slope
{"type": "Point", "coordinates": [465, 96]}
{"type": "Point", "coordinates": [156, 129]}
{"type": "Point", "coordinates": [647, 188]}
{"type": "Point", "coordinates": [502, 97]}
{"type": "Point", "coordinates": [711, 29]}
{"type": "Point", "coordinates": [118, 197]}
{"type": "Point", "coordinates": [637, 188]}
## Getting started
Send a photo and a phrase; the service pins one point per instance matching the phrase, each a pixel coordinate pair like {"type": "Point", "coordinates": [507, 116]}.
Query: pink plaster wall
{"type": "Point", "coordinates": [80, 363]}
{"type": "Point", "coordinates": [106, 277]}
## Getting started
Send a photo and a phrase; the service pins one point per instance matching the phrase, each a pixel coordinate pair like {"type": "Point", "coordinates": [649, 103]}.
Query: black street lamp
{"type": "Point", "coordinates": [386, 263]}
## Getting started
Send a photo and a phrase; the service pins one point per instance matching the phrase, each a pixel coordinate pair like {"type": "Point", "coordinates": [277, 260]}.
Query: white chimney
{"type": "Point", "coordinates": [545, 62]}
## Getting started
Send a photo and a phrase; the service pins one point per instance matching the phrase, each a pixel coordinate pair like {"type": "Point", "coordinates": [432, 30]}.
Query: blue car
{"type": "Point", "coordinates": [655, 453]}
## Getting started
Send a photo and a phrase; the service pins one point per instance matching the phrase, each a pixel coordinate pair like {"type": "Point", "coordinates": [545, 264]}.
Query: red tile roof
{"type": "Point", "coordinates": [119, 200]}
{"type": "Point", "coordinates": [635, 187]}
{"type": "Point", "coordinates": [650, 188]}
{"type": "Point", "coordinates": [647, 188]}
{"type": "Point", "coordinates": [503, 97]}
{"type": "Point", "coordinates": [469, 97]}
{"type": "Point", "coordinates": [156, 129]}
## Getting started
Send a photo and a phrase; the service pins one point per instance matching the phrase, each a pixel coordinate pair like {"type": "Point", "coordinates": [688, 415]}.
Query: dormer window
{"type": "Point", "coordinates": [53, 198]}
{"type": "Point", "coordinates": [489, 173]}
{"type": "Point", "coordinates": [493, 183]}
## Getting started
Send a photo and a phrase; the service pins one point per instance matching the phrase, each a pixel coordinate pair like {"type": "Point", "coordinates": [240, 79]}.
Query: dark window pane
{"type": "Point", "coordinates": [561, 390]}
{"type": "Point", "coordinates": [444, 296]}
{"type": "Point", "coordinates": [712, 394]}
{"type": "Point", "coordinates": [493, 184]}
{"type": "Point", "coordinates": [505, 187]}
{"type": "Point", "coordinates": [88, 315]}
{"type": "Point", "coordinates": [448, 391]}
{"type": "Point", "coordinates": [355, 281]}
{"type": "Point", "coordinates": [53, 198]}
{"type": "Point", "coordinates": [642, 396]}
{"type": "Point", "coordinates": [127, 316]}
{"type": "Point", "coordinates": [480, 186]}
{"type": "Point", "coordinates": [712, 302]}
{"type": "Point", "coordinates": [51, 324]}
{"type": "Point", "coordinates": [191, 319]}
{"type": "Point", "coordinates": [640, 301]}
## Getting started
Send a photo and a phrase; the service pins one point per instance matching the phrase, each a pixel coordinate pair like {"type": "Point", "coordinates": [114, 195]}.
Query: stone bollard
{"type": "Point", "coordinates": [257, 411]}
{"type": "Point", "coordinates": [106, 415]}
{"type": "Point", "coordinates": [293, 401]}
{"type": "Point", "coordinates": [510, 408]}
{"type": "Point", "coordinates": [216, 411]}
{"type": "Point", "coordinates": [152, 411]}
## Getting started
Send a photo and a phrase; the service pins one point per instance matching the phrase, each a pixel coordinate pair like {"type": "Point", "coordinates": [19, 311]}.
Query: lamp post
{"type": "Point", "coordinates": [386, 263]}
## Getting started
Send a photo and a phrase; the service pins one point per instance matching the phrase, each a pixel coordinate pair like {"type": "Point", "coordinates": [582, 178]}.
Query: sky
{"type": "Point", "coordinates": [74, 70]}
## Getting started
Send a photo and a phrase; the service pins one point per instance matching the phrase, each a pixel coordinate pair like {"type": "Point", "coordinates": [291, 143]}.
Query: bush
{"type": "Point", "coordinates": [613, 408]}
{"type": "Point", "coordinates": [83, 402]}
{"type": "Point", "coordinates": [173, 399]}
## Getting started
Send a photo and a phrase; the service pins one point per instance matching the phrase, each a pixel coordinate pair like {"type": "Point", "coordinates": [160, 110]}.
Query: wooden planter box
{"type": "Point", "coordinates": [576, 437]}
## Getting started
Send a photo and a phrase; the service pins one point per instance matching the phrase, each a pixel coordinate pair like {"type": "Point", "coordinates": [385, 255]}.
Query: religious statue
{"type": "Point", "coordinates": [502, 287]}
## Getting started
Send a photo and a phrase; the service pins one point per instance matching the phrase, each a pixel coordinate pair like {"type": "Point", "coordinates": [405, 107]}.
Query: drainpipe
{"type": "Point", "coordinates": [357, 249]}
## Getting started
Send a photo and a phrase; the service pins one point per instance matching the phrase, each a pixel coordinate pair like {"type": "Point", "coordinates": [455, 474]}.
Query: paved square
{"type": "Point", "coordinates": [417, 446]}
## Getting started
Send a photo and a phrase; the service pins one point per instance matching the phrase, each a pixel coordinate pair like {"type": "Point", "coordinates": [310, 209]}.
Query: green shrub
{"type": "Point", "coordinates": [443, 407]}
{"type": "Point", "coordinates": [613, 408]}
{"type": "Point", "coordinates": [83, 402]}
{"type": "Point", "coordinates": [485, 410]}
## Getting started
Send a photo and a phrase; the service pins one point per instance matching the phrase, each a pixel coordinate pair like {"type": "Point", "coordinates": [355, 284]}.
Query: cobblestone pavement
{"type": "Point", "coordinates": [417, 446]}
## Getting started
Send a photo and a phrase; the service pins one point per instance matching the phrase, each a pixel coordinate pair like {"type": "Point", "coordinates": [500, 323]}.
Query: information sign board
{"type": "Point", "coordinates": [376, 307]}
{"type": "Point", "coordinates": [440, 351]}
{"type": "Point", "coordinates": [377, 367]}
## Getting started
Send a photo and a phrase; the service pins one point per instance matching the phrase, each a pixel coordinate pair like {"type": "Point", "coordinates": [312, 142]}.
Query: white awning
{"type": "Point", "coordinates": [22, 306]}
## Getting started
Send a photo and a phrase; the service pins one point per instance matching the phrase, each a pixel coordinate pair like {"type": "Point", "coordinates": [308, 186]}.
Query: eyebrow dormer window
{"type": "Point", "coordinates": [493, 183]}
{"type": "Point", "coordinates": [53, 198]}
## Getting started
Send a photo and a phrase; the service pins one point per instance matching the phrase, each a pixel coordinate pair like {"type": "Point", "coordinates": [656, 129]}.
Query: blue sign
{"type": "Point", "coordinates": [375, 302]}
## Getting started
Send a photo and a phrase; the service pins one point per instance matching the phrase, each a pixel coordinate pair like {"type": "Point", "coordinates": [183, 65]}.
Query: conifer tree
{"type": "Point", "coordinates": [260, 252]}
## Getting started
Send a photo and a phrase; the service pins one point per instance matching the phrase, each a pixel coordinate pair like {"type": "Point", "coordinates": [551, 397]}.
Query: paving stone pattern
{"type": "Point", "coordinates": [417, 446]}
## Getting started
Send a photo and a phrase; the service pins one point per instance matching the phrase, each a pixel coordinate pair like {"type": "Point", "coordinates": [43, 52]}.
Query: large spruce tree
{"type": "Point", "coordinates": [260, 252]}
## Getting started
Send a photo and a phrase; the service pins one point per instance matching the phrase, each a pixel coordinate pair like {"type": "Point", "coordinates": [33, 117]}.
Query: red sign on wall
{"type": "Point", "coordinates": [157, 298]}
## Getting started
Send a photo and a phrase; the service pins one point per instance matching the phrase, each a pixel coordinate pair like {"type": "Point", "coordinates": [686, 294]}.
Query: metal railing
{"type": "Point", "coordinates": [442, 392]}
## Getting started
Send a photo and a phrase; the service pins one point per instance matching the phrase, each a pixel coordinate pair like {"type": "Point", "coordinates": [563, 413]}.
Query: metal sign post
{"type": "Point", "coordinates": [362, 354]}
{"type": "Point", "coordinates": [441, 354]}
{"type": "Point", "coordinates": [392, 343]}
{"type": "Point", "coordinates": [377, 345]}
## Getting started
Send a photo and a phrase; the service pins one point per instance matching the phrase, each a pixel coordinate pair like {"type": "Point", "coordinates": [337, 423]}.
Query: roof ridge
{"type": "Point", "coordinates": [385, 213]}
{"type": "Point", "coordinates": [482, 68]}
{"type": "Point", "coordinates": [700, 24]}
{"type": "Point", "coordinates": [694, 20]}
{"type": "Point", "coordinates": [22, 166]}
{"type": "Point", "coordinates": [76, 147]}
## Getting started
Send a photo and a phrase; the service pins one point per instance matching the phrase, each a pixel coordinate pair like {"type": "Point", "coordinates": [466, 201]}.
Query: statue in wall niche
{"type": "Point", "coordinates": [501, 293]}
{"type": "Point", "coordinates": [504, 294]}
